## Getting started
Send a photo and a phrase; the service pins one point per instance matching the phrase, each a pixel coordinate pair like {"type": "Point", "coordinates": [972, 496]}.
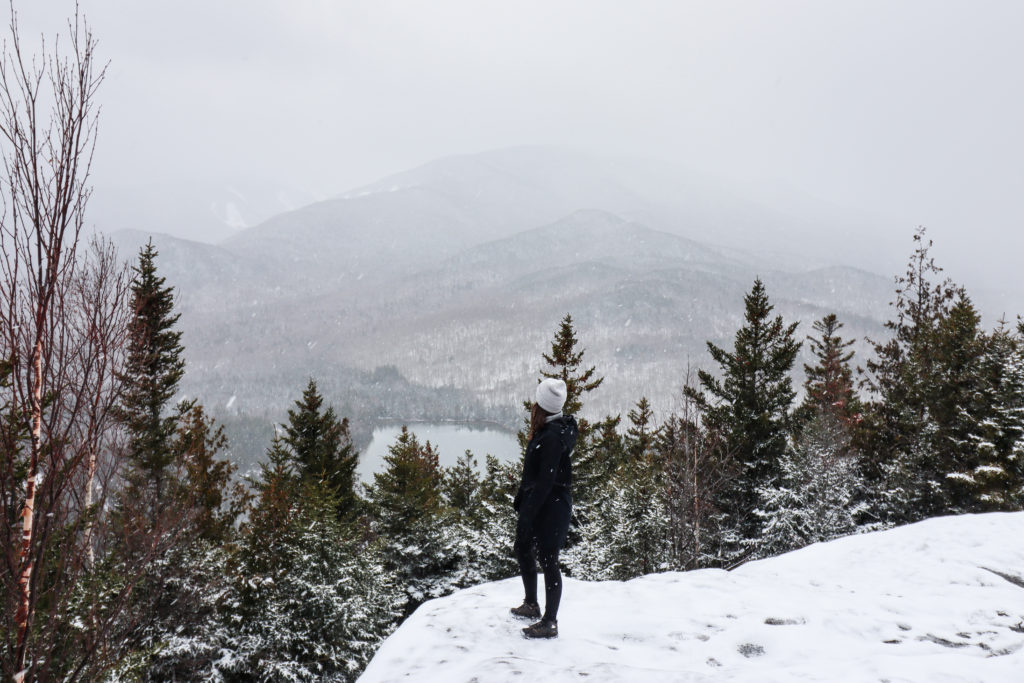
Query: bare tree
{"type": "Point", "coordinates": [698, 466]}
{"type": "Point", "coordinates": [62, 332]}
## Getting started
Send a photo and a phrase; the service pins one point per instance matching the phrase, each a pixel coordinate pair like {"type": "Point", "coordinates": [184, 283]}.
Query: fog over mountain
{"type": "Point", "coordinates": [851, 123]}
{"type": "Point", "coordinates": [432, 293]}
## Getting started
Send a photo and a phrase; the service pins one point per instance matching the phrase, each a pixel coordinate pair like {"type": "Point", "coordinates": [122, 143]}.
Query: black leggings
{"type": "Point", "coordinates": [552, 577]}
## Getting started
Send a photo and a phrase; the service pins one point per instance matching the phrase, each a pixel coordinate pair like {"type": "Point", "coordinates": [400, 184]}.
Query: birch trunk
{"type": "Point", "coordinates": [22, 619]}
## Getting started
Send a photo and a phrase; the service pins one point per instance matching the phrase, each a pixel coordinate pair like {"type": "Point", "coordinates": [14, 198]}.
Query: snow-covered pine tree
{"type": "Point", "coordinates": [995, 481]}
{"type": "Point", "coordinates": [308, 601]}
{"type": "Point", "coordinates": [750, 405]}
{"type": "Point", "coordinates": [564, 363]}
{"type": "Point", "coordinates": [464, 517]}
{"type": "Point", "coordinates": [624, 529]}
{"type": "Point", "coordinates": [594, 465]}
{"type": "Point", "coordinates": [208, 487]}
{"type": "Point", "coordinates": [498, 520]}
{"type": "Point", "coordinates": [818, 496]}
{"type": "Point", "coordinates": [180, 644]}
{"type": "Point", "coordinates": [832, 412]}
{"type": "Point", "coordinates": [406, 507]}
{"type": "Point", "coordinates": [962, 403]}
{"type": "Point", "coordinates": [590, 557]}
{"type": "Point", "coordinates": [629, 515]}
{"type": "Point", "coordinates": [627, 533]}
{"type": "Point", "coordinates": [461, 487]}
{"type": "Point", "coordinates": [639, 535]}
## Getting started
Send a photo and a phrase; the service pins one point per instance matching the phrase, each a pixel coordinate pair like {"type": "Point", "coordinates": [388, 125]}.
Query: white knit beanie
{"type": "Point", "coordinates": [551, 395]}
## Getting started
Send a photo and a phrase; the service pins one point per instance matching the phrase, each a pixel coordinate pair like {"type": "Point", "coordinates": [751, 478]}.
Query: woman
{"type": "Point", "coordinates": [544, 505]}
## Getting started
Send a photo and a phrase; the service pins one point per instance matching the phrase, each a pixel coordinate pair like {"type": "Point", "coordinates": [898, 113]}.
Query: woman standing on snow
{"type": "Point", "coordinates": [544, 504]}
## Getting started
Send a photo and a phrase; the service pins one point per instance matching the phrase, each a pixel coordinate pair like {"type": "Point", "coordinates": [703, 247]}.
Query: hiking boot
{"type": "Point", "coordinates": [527, 610]}
{"type": "Point", "coordinates": [542, 629]}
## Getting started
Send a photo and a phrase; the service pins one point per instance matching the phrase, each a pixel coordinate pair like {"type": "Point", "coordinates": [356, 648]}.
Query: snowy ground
{"type": "Point", "coordinates": [938, 601]}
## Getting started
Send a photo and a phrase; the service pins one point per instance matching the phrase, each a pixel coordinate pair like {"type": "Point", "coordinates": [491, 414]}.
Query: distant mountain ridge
{"type": "Point", "coordinates": [455, 275]}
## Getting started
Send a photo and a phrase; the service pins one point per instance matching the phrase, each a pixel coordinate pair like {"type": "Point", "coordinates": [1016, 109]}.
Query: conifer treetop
{"type": "Point", "coordinates": [321, 446]}
{"type": "Point", "coordinates": [641, 434]}
{"type": "Point", "coordinates": [409, 487]}
{"type": "Point", "coordinates": [756, 372]}
{"type": "Point", "coordinates": [564, 363]}
{"type": "Point", "coordinates": [829, 382]}
{"type": "Point", "coordinates": [154, 367]}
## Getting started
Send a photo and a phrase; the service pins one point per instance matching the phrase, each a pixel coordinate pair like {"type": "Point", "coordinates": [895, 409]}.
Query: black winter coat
{"type": "Point", "coordinates": [544, 501]}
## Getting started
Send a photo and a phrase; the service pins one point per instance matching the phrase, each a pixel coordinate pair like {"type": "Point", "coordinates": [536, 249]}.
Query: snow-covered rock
{"type": "Point", "coordinates": [937, 601]}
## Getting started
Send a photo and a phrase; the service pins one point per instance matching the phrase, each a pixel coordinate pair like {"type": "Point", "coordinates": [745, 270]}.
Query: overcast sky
{"type": "Point", "coordinates": [911, 111]}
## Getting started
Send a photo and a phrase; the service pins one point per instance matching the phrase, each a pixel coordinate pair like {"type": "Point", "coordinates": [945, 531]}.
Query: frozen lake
{"type": "Point", "coordinates": [451, 440]}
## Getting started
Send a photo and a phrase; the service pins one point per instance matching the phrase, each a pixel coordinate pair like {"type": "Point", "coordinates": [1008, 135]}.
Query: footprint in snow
{"type": "Point", "coordinates": [749, 650]}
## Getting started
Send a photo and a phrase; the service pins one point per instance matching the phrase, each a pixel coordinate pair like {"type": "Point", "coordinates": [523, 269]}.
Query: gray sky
{"type": "Point", "coordinates": [908, 111]}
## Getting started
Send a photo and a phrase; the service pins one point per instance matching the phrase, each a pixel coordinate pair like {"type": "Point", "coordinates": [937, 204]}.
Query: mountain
{"type": "Point", "coordinates": [450, 280]}
{"type": "Point", "coordinates": [430, 212]}
{"type": "Point", "coordinates": [939, 600]}
{"type": "Point", "coordinates": [436, 210]}
{"type": "Point", "coordinates": [644, 301]}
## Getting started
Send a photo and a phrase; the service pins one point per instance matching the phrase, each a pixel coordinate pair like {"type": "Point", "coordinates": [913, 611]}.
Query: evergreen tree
{"type": "Point", "coordinates": [207, 487]}
{"type": "Point", "coordinates": [480, 523]}
{"type": "Point", "coordinates": [153, 370]}
{"type": "Point", "coordinates": [463, 516]}
{"type": "Point", "coordinates": [818, 497]}
{"type": "Point", "coordinates": [408, 489]}
{"type": "Point", "coordinates": [750, 404]}
{"type": "Point", "coordinates": [960, 406]}
{"type": "Point", "coordinates": [407, 505]}
{"type": "Point", "coordinates": [594, 466]}
{"type": "Point", "coordinates": [321, 446]}
{"type": "Point", "coordinates": [186, 582]}
{"type": "Point", "coordinates": [901, 431]}
{"type": "Point", "coordinates": [500, 482]}
{"type": "Point", "coordinates": [300, 597]}
{"type": "Point", "coordinates": [498, 521]}
{"type": "Point", "coordinates": [461, 485]}
{"type": "Point", "coordinates": [564, 362]}
{"type": "Point", "coordinates": [308, 602]}
{"type": "Point", "coordinates": [627, 533]}
{"type": "Point", "coordinates": [179, 503]}
{"type": "Point", "coordinates": [829, 382]}
{"type": "Point", "coordinates": [641, 434]}
{"type": "Point", "coordinates": [994, 478]}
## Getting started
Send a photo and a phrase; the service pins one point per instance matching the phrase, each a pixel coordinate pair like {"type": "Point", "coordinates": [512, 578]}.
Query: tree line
{"type": "Point", "coordinates": [932, 424]}
{"type": "Point", "coordinates": [301, 572]}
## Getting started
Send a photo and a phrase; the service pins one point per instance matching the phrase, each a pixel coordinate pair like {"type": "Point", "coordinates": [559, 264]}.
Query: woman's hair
{"type": "Point", "coordinates": [538, 416]}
